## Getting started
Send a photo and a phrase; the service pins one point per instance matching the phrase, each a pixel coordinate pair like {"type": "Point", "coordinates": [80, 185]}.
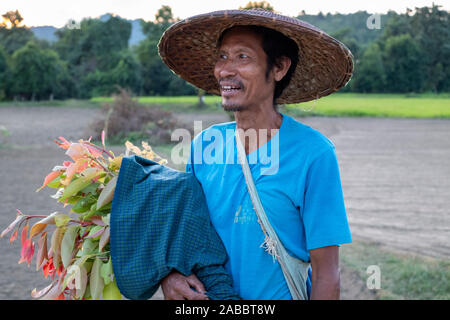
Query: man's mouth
{"type": "Point", "coordinates": [230, 88]}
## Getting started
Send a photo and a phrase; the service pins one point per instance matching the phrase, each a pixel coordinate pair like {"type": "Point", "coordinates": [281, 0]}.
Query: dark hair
{"type": "Point", "coordinates": [275, 45]}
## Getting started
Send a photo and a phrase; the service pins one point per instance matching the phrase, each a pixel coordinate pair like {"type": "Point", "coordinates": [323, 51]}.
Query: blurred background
{"type": "Point", "coordinates": [75, 69]}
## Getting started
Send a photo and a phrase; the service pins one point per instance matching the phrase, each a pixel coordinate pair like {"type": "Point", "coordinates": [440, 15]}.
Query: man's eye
{"type": "Point", "coordinates": [222, 56]}
{"type": "Point", "coordinates": [243, 56]}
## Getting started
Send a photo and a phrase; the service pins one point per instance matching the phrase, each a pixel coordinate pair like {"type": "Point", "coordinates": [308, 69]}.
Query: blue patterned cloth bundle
{"type": "Point", "coordinates": [160, 223]}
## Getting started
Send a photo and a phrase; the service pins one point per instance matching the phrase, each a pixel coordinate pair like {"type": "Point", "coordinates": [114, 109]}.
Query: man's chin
{"type": "Point", "coordinates": [233, 107]}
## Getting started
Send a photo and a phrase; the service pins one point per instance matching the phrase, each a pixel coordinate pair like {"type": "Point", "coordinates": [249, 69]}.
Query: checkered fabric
{"type": "Point", "coordinates": [160, 223]}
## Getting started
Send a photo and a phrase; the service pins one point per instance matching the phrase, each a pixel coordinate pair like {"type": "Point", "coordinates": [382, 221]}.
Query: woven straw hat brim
{"type": "Point", "coordinates": [325, 65]}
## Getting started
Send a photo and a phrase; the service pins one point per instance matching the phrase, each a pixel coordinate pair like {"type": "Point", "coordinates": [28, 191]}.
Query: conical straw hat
{"type": "Point", "coordinates": [325, 65]}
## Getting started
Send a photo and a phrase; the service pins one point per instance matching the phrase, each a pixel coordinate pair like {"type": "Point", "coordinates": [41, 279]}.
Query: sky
{"type": "Point", "coordinates": [58, 12]}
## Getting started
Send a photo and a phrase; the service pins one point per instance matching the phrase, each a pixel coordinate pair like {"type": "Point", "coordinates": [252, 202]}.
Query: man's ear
{"type": "Point", "coordinates": [281, 67]}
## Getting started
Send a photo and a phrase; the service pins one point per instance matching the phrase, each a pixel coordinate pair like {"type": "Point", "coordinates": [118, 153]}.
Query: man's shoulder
{"type": "Point", "coordinates": [306, 137]}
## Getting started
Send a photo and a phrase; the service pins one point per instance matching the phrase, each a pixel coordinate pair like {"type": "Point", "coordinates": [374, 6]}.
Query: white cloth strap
{"type": "Point", "coordinates": [294, 270]}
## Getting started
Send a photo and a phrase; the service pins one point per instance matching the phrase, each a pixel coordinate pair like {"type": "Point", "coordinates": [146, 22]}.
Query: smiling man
{"type": "Point", "coordinates": [256, 60]}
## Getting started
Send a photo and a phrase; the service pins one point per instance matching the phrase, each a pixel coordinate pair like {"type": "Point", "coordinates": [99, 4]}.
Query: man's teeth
{"type": "Point", "coordinates": [229, 88]}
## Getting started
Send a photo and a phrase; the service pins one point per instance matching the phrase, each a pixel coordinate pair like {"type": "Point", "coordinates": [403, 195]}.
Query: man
{"type": "Point", "coordinates": [258, 59]}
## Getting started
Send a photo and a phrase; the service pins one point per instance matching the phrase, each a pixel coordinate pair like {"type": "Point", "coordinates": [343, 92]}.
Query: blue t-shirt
{"type": "Point", "coordinates": [297, 177]}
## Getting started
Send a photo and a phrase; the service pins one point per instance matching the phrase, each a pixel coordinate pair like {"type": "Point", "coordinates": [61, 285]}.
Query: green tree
{"type": "Point", "coordinates": [431, 28]}
{"type": "Point", "coordinates": [345, 36]}
{"type": "Point", "coordinates": [36, 72]}
{"type": "Point", "coordinates": [13, 36]}
{"type": "Point", "coordinates": [92, 52]}
{"type": "Point", "coordinates": [126, 75]}
{"type": "Point", "coordinates": [156, 76]}
{"type": "Point", "coordinates": [4, 71]}
{"type": "Point", "coordinates": [404, 64]}
{"type": "Point", "coordinates": [369, 74]}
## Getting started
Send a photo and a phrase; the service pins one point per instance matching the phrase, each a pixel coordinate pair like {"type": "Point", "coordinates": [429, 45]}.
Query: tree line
{"type": "Point", "coordinates": [410, 53]}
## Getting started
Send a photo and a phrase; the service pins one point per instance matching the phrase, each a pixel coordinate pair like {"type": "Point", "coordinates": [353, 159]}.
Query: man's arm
{"type": "Point", "coordinates": [325, 281]}
{"type": "Point", "coordinates": [179, 287]}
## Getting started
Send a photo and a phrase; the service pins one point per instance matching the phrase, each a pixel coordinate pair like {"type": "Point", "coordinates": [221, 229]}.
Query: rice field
{"type": "Point", "coordinates": [339, 104]}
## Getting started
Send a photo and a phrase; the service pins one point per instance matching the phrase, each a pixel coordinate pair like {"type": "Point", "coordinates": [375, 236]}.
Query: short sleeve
{"type": "Point", "coordinates": [324, 214]}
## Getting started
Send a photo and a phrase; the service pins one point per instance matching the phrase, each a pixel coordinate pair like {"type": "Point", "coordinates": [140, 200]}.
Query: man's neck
{"type": "Point", "coordinates": [264, 121]}
{"type": "Point", "coordinates": [261, 118]}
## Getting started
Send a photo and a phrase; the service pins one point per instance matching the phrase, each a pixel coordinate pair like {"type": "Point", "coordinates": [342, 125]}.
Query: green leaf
{"type": "Point", "coordinates": [91, 189]}
{"type": "Point", "coordinates": [55, 183]}
{"type": "Point", "coordinates": [89, 246]}
{"type": "Point", "coordinates": [106, 208]}
{"type": "Point", "coordinates": [96, 280]}
{"type": "Point", "coordinates": [106, 219]}
{"type": "Point", "coordinates": [104, 239]}
{"type": "Point", "coordinates": [95, 230]}
{"type": "Point", "coordinates": [83, 279]}
{"type": "Point", "coordinates": [56, 245]}
{"type": "Point", "coordinates": [73, 200]}
{"type": "Point", "coordinates": [79, 184]}
{"type": "Point", "coordinates": [67, 245]}
{"type": "Point", "coordinates": [111, 292]}
{"type": "Point", "coordinates": [106, 272]}
{"type": "Point", "coordinates": [87, 293]}
{"type": "Point", "coordinates": [91, 212]}
{"type": "Point", "coordinates": [84, 204]}
{"type": "Point", "coordinates": [107, 193]}
{"type": "Point", "coordinates": [61, 219]}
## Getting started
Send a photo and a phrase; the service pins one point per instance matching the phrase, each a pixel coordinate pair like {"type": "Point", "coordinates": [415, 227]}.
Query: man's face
{"type": "Point", "coordinates": [241, 71]}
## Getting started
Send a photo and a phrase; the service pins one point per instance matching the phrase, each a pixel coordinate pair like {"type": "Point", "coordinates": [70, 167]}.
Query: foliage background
{"type": "Point", "coordinates": [409, 53]}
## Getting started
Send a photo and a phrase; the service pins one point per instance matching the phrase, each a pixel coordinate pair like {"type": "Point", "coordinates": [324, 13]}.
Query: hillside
{"type": "Point", "coordinates": [48, 32]}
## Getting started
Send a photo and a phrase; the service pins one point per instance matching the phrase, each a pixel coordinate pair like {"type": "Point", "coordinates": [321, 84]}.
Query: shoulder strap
{"type": "Point", "coordinates": [294, 270]}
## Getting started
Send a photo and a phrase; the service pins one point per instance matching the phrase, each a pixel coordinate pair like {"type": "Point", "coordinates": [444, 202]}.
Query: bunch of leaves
{"type": "Point", "coordinates": [76, 256]}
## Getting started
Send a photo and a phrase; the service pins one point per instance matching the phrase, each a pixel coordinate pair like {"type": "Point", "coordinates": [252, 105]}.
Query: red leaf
{"type": "Point", "coordinates": [42, 254]}
{"type": "Point", "coordinates": [49, 178]}
{"type": "Point", "coordinates": [27, 252]}
{"type": "Point", "coordinates": [48, 268]}
{"type": "Point", "coordinates": [13, 236]}
{"type": "Point", "coordinates": [63, 143]}
{"type": "Point", "coordinates": [60, 297]}
{"type": "Point", "coordinates": [23, 236]}
{"type": "Point", "coordinates": [94, 151]}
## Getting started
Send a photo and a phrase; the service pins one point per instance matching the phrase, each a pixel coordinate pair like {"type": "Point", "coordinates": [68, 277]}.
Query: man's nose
{"type": "Point", "coordinates": [226, 69]}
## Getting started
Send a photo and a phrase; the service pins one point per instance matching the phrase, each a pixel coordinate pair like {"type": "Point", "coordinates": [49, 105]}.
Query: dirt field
{"type": "Point", "coordinates": [395, 176]}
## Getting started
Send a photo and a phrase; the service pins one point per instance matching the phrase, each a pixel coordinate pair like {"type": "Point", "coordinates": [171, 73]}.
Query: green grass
{"type": "Point", "coordinates": [175, 104]}
{"type": "Point", "coordinates": [376, 105]}
{"type": "Point", "coordinates": [402, 276]}
{"type": "Point", "coordinates": [341, 104]}
{"type": "Point", "coordinates": [425, 105]}
{"type": "Point", "coordinates": [69, 103]}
